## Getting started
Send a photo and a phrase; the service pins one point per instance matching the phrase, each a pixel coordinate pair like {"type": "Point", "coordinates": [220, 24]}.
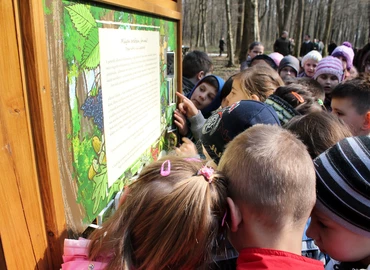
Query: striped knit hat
{"type": "Point", "coordinates": [343, 184]}
{"type": "Point", "coordinates": [329, 65]}
{"type": "Point", "coordinates": [345, 50]}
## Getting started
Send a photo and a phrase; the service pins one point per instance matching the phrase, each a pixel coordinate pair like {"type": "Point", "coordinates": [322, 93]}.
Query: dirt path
{"type": "Point", "coordinates": [220, 69]}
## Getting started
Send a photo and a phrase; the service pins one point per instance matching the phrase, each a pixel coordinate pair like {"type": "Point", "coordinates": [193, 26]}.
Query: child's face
{"type": "Point", "coordinates": [287, 71]}
{"type": "Point", "coordinates": [336, 241]}
{"type": "Point", "coordinates": [328, 82]}
{"type": "Point", "coordinates": [257, 50]}
{"type": "Point", "coordinates": [345, 110]}
{"type": "Point", "coordinates": [203, 95]}
{"type": "Point", "coordinates": [310, 67]}
{"type": "Point", "coordinates": [236, 94]}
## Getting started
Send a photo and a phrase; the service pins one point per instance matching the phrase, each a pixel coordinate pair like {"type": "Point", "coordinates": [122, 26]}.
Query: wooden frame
{"type": "Point", "coordinates": [33, 222]}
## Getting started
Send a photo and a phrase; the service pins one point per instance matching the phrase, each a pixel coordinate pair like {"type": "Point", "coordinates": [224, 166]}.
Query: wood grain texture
{"type": "Point", "coordinates": [35, 61]}
{"type": "Point", "coordinates": [165, 8]}
{"type": "Point", "coordinates": [21, 219]}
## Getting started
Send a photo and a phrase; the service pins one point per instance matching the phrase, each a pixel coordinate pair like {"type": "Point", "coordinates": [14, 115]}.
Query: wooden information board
{"type": "Point", "coordinates": [92, 85]}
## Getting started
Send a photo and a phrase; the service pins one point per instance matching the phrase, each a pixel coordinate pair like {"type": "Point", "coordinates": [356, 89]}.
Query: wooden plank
{"type": "Point", "coordinates": [21, 218]}
{"type": "Point", "coordinates": [35, 60]}
{"type": "Point", "coordinates": [165, 8]}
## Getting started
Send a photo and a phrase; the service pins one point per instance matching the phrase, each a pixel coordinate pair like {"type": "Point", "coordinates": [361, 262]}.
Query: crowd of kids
{"type": "Point", "coordinates": [273, 172]}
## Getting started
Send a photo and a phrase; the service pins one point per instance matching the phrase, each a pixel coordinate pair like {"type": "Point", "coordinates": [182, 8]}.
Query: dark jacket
{"type": "Point", "coordinates": [282, 45]}
{"type": "Point", "coordinates": [306, 48]}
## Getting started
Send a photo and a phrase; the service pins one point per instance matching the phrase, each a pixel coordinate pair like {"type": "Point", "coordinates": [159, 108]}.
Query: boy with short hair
{"type": "Point", "coordinates": [272, 192]}
{"type": "Point", "coordinates": [340, 221]}
{"type": "Point", "coordinates": [351, 102]}
{"type": "Point", "coordinates": [195, 66]}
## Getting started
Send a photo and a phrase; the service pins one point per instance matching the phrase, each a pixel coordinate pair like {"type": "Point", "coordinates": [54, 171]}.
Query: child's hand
{"type": "Point", "coordinates": [187, 149]}
{"type": "Point", "coordinates": [186, 106]}
{"type": "Point", "coordinates": [180, 122]}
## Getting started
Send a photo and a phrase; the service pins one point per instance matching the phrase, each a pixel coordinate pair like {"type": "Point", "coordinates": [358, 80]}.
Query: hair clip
{"type": "Point", "coordinates": [168, 171]}
{"type": "Point", "coordinates": [298, 96]}
{"type": "Point", "coordinates": [207, 172]}
{"type": "Point", "coordinates": [223, 219]}
{"type": "Point", "coordinates": [320, 102]}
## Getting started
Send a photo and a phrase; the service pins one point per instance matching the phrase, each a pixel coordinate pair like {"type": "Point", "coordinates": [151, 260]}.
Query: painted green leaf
{"type": "Point", "coordinates": [81, 18]}
{"type": "Point", "coordinates": [100, 188]}
{"type": "Point", "coordinates": [117, 186]}
{"type": "Point", "coordinates": [91, 51]}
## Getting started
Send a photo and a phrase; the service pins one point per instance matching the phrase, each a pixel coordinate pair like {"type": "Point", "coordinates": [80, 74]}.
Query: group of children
{"type": "Point", "coordinates": [269, 161]}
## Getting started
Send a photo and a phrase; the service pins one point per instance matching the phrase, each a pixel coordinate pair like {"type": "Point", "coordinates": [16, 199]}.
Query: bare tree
{"type": "Point", "coordinates": [299, 28]}
{"type": "Point", "coordinates": [329, 18]}
{"type": "Point", "coordinates": [239, 28]}
{"type": "Point", "coordinates": [284, 10]}
{"type": "Point", "coordinates": [251, 27]}
{"type": "Point", "coordinates": [204, 23]}
{"type": "Point", "coordinates": [230, 41]}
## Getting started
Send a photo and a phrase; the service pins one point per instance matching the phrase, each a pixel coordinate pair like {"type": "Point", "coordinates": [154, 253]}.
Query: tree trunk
{"type": "Point", "coordinates": [309, 22]}
{"type": "Point", "coordinates": [204, 20]}
{"type": "Point", "coordinates": [329, 17]}
{"type": "Point", "coordinates": [299, 27]}
{"type": "Point", "coordinates": [318, 20]}
{"type": "Point", "coordinates": [230, 41]}
{"type": "Point", "coordinates": [280, 14]}
{"type": "Point", "coordinates": [368, 17]}
{"type": "Point", "coordinates": [212, 33]}
{"type": "Point", "coordinates": [292, 19]}
{"type": "Point", "coordinates": [239, 27]}
{"type": "Point", "coordinates": [288, 5]}
{"type": "Point", "coordinates": [199, 13]}
{"type": "Point", "coordinates": [255, 21]}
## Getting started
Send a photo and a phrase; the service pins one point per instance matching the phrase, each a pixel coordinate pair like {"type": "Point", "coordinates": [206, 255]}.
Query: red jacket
{"type": "Point", "coordinates": [260, 258]}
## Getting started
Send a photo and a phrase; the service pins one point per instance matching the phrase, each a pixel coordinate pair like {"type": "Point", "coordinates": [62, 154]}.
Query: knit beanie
{"type": "Point", "coordinates": [265, 58]}
{"type": "Point", "coordinates": [289, 61]}
{"type": "Point", "coordinates": [312, 55]}
{"type": "Point", "coordinates": [283, 109]}
{"type": "Point", "coordinates": [343, 184]}
{"type": "Point", "coordinates": [276, 57]}
{"type": "Point", "coordinates": [330, 65]}
{"type": "Point", "coordinates": [345, 50]}
{"type": "Point", "coordinates": [225, 124]}
{"type": "Point", "coordinates": [216, 103]}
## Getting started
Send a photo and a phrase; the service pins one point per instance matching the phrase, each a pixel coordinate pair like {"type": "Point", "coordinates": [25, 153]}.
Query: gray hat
{"type": "Point", "coordinates": [289, 61]}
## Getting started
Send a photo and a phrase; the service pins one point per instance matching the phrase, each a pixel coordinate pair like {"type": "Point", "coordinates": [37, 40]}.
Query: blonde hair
{"type": "Point", "coordinates": [166, 222]}
{"type": "Point", "coordinates": [259, 80]}
{"type": "Point", "coordinates": [270, 171]}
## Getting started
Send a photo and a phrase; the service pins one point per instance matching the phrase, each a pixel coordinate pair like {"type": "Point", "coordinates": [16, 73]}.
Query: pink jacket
{"type": "Point", "coordinates": [76, 256]}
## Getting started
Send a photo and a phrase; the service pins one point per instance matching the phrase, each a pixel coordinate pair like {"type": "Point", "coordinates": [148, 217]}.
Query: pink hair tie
{"type": "Point", "coordinates": [193, 159]}
{"type": "Point", "coordinates": [168, 171]}
{"type": "Point", "coordinates": [224, 218]}
{"type": "Point", "coordinates": [207, 172]}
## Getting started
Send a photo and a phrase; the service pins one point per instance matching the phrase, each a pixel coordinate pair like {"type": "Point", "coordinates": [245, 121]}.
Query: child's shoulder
{"type": "Point", "coordinates": [76, 256]}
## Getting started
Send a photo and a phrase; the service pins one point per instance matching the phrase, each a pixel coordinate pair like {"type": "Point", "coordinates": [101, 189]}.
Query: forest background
{"type": "Point", "coordinates": [241, 22]}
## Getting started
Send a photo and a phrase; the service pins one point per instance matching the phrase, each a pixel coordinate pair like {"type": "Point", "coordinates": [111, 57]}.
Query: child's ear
{"type": "Point", "coordinates": [366, 125]}
{"type": "Point", "coordinates": [235, 215]}
{"type": "Point", "coordinates": [124, 195]}
{"type": "Point", "coordinates": [255, 97]}
{"type": "Point", "coordinates": [200, 75]}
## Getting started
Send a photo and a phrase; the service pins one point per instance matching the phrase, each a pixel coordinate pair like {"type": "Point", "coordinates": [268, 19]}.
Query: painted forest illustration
{"type": "Point", "coordinates": [81, 53]}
